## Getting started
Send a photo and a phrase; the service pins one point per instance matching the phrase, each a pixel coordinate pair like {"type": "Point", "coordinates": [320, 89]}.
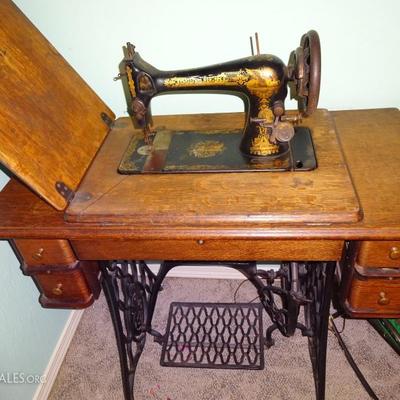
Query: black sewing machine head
{"type": "Point", "coordinates": [261, 80]}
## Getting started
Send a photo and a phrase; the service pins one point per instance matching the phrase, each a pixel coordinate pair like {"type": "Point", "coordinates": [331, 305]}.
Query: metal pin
{"type": "Point", "coordinates": [251, 46]}
{"type": "Point", "coordinates": [257, 44]}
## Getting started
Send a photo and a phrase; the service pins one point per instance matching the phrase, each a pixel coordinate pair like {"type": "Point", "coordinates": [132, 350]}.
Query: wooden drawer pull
{"type": "Point", "coordinates": [383, 299]}
{"type": "Point", "coordinates": [394, 253]}
{"type": "Point", "coordinates": [57, 290]}
{"type": "Point", "coordinates": [39, 254]}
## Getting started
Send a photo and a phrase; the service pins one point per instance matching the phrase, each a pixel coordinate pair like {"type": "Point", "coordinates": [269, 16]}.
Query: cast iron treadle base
{"type": "Point", "coordinates": [214, 335]}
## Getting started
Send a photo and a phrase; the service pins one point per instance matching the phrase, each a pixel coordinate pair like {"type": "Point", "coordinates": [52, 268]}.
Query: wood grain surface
{"type": "Point", "coordinates": [24, 215]}
{"type": "Point", "coordinates": [371, 143]}
{"type": "Point", "coordinates": [209, 249]}
{"type": "Point", "coordinates": [384, 254]}
{"type": "Point", "coordinates": [324, 195]}
{"type": "Point", "coordinates": [365, 296]}
{"type": "Point", "coordinates": [50, 124]}
{"type": "Point", "coordinates": [45, 252]}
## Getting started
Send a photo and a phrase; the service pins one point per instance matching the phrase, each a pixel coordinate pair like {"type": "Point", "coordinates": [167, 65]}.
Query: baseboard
{"type": "Point", "coordinates": [209, 271]}
{"type": "Point", "coordinates": [57, 358]}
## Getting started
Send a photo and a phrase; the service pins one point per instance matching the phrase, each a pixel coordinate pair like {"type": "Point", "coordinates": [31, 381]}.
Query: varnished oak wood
{"type": "Point", "coordinates": [371, 144]}
{"type": "Point", "coordinates": [62, 280]}
{"type": "Point", "coordinates": [45, 252]}
{"type": "Point", "coordinates": [365, 296]}
{"type": "Point", "coordinates": [324, 195]}
{"type": "Point", "coordinates": [74, 286]}
{"type": "Point", "coordinates": [379, 254]}
{"type": "Point", "coordinates": [209, 249]}
{"type": "Point", "coordinates": [24, 215]}
{"type": "Point", "coordinates": [50, 123]}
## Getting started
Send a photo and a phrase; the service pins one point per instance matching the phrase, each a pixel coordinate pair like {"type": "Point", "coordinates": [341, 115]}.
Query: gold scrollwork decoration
{"type": "Point", "coordinates": [207, 148]}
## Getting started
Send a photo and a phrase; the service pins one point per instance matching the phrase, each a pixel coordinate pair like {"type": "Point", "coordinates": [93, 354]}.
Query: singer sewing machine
{"type": "Point", "coordinates": [76, 209]}
{"type": "Point", "coordinates": [269, 141]}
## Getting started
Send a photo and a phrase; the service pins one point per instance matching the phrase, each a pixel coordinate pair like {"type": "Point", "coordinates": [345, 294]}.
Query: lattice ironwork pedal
{"type": "Point", "coordinates": [214, 335]}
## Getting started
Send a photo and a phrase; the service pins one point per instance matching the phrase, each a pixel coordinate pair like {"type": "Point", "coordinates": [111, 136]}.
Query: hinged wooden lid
{"type": "Point", "coordinates": [51, 122]}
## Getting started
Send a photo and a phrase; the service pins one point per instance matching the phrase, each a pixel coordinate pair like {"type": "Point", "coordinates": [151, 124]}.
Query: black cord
{"type": "Point", "coordinates": [351, 361]}
{"type": "Point", "coordinates": [237, 289]}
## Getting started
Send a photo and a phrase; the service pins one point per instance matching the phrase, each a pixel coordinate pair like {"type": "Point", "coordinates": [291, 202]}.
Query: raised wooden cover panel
{"type": "Point", "coordinates": [50, 119]}
{"type": "Point", "coordinates": [322, 196]}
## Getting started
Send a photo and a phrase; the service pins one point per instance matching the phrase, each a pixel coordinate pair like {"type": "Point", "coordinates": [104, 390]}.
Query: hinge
{"type": "Point", "coordinates": [107, 120]}
{"type": "Point", "coordinates": [65, 191]}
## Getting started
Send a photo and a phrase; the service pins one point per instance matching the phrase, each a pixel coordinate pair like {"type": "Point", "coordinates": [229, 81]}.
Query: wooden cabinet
{"type": "Point", "coordinates": [374, 294]}
{"type": "Point", "coordinates": [373, 288]}
{"type": "Point", "coordinates": [382, 253]}
{"type": "Point", "coordinates": [62, 280]}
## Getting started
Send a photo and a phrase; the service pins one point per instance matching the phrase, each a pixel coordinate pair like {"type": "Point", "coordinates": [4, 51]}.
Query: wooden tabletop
{"type": "Point", "coordinates": [371, 144]}
{"type": "Point", "coordinates": [324, 195]}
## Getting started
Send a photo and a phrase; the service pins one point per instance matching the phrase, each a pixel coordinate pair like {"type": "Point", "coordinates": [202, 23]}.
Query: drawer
{"type": "Point", "coordinates": [209, 249]}
{"type": "Point", "coordinates": [379, 254]}
{"type": "Point", "coordinates": [42, 252]}
{"type": "Point", "coordinates": [372, 297]}
{"type": "Point", "coordinates": [72, 286]}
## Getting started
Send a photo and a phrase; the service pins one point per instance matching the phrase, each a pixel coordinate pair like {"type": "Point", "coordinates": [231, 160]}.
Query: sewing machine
{"type": "Point", "coordinates": [267, 141]}
{"type": "Point", "coordinates": [71, 215]}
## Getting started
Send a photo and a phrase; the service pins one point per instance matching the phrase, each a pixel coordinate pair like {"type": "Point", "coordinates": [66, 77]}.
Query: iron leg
{"type": "Point", "coordinates": [126, 299]}
{"type": "Point", "coordinates": [319, 285]}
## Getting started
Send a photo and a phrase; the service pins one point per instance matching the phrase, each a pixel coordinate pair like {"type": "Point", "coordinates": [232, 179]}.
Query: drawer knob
{"type": "Point", "coordinates": [39, 254]}
{"type": "Point", "coordinates": [57, 290]}
{"type": "Point", "coordinates": [383, 299]}
{"type": "Point", "coordinates": [394, 253]}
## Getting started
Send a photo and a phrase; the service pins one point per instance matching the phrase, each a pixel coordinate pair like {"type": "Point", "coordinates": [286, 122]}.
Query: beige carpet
{"type": "Point", "coordinates": [91, 368]}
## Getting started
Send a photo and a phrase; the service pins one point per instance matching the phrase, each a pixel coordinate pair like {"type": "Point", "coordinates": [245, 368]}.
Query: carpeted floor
{"type": "Point", "coordinates": [91, 367]}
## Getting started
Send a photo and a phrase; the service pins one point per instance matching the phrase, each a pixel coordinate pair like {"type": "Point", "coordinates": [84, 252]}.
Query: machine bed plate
{"type": "Point", "coordinates": [212, 151]}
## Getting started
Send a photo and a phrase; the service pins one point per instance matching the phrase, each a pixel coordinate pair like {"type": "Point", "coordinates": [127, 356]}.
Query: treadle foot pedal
{"type": "Point", "coordinates": [214, 335]}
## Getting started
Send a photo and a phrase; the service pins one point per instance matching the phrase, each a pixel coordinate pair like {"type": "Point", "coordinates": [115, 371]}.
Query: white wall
{"type": "Point", "coordinates": [360, 43]}
{"type": "Point", "coordinates": [28, 333]}
{"type": "Point", "coordinates": [360, 64]}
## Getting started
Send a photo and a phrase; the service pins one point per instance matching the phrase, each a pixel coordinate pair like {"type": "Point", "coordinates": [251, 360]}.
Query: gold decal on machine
{"type": "Point", "coordinates": [131, 82]}
{"type": "Point", "coordinates": [251, 78]}
{"type": "Point", "coordinates": [261, 146]}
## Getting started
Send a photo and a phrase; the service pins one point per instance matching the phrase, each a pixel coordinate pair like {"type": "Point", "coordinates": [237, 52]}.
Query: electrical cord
{"type": "Point", "coordinates": [350, 360]}
{"type": "Point", "coordinates": [237, 290]}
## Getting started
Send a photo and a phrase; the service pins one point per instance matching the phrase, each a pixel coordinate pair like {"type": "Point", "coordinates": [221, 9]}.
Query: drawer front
{"type": "Point", "coordinates": [209, 249]}
{"type": "Point", "coordinates": [73, 286]}
{"type": "Point", "coordinates": [63, 281]}
{"type": "Point", "coordinates": [374, 296]}
{"type": "Point", "coordinates": [43, 252]}
{"type": "Point", "coordinates": [379, 254]}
